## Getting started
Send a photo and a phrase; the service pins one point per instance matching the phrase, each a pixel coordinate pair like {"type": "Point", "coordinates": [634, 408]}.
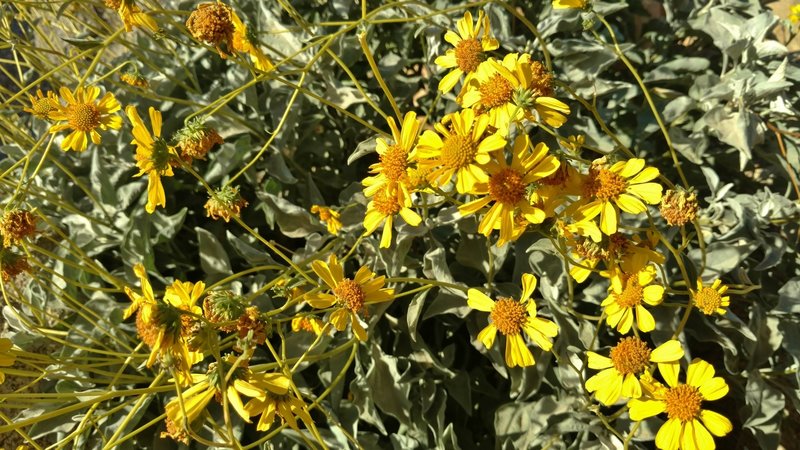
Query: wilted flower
{"type": "Point", "coordinates": [16, 225]}
{"type": "Point", "coordinates": [329, 217]}
{"type": "Point", "coordinates": [212, 23]}
{"type": "Point", "coordinates": [196, 139]}
{"type": "Point", "coordinates": [679, 207]}
{"type": "Point", "coordinates": [134, 79]}
{"type": "Point", "coordinates": [225, 203]}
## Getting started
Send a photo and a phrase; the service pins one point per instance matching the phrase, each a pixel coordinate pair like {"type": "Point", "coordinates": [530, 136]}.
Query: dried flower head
{"type": "Point", "coordinates": [12, 264]}
{"type": "Point", "coordinates": [251, 321]}
{"type": "Point", "coordinates": [225, 203]}
{"type": "Point", "coordinates": [212, 23]}
{"type": "Point", "coordinates": [16, 225]}
{"type": "Point", "coordinates": [679, 207]}
{"type": "Point", "coordinates": [196, 139]}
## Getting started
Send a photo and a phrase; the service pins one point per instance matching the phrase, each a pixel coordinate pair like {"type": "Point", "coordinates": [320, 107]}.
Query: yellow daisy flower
{"type": "Point", "coordinates": [160, 324]}
{"type": "Point", "coordinates": [308, 324]}
{"type": "Point", "coordinates": [329, 217]}
{"type": "Point", "coordinates": [6, 357]}
{"type": "Point", "coordinates": [624, 185]}
{"type": "Point", "coordinates": [244, 42]}
{"type": "Point", "coordinates": [458, 150]}
{"type": "Point", "coordinates": [42, 105]}
{"type": "Point", "coordinates": [794, 17]}
{"type": "Point", "coordinates": [511, 318]}
{"type": "Point", "coordinates": [688, 425]}
{"type": "Point", "coordinates": [471, 43]}
{"type": "Point", "coordinates": [711, 299]}
{"type": "Point", "coordinates": [628, 293]}
{"type": "Point", "coordinates": [507, 189]}
{"type": "Point", "coordinates": [349, 297]}
{"type": "Point", "coordinates": [84, 114]}
{"type": "Point", "coordinates": [208, 386]}
{"type": "Point", "coordinates": [382, 209]}
{"type": "Point", "coordinates": [629, 358]}
{"type": "Point", "coordinates": [153, 156]}
{"type": "Point", "coordinates": [277, 401]}
{"type": "Point", "coordinates": [395, 160]}
{"type": "Point", "coordinates": [512, 89]}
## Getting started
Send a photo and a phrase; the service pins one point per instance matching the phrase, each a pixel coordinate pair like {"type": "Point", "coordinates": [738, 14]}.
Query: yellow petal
{"type": "Point", "coordinates": [478, 300]}
{"type": "Point", "coordinates": [517, 353]}
{"type": "Point", "coordinates": [669, 435]}
{"type": "Point", "coordinates": [528, 285]}
{"type": "Point", "coordinates": [644, 319]}
{"type": "Point", "coordinates": [714, 389]}
{"type": "Point", "coordinates": [642, 409]}
{"type": "Point", "coordinates": [487, 335]}
{"type": "Point", "coordinates": [598, 362]}
{"type": "Point", "coordinates": [716, 423]}
{"type": "Point", "coordinates": [699, 373]}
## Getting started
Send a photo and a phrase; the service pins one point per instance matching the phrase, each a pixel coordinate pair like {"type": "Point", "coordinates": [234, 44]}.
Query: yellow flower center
{"type": "Point", "coordinates": [325, 214]}
{"type": "Point", "coordinates": [707, 300]}
{"type": "Point", "coordinates": [83, 117]}
{"type": "Point", "coordinates": [211, 22]}
{"type": "Point", "coordinates": [509, 316]}
{"type": "Point", "coordinates": [683, 402]}
{"type": "Point", "coordinates": [385, 204]}
{"type": "Point", "coordinates": [469, 54]}
{"type": "Point", "coordinates": [507, 187]}
{"type": "Point", "coordinates": [395, 162]}
{"type": "Point", "coordinates": [458, 151]}
{"type": "Point", "coordinates": [497, 91]}
{"type": "Point", "coordinates": [42, 107]}
{"type": "Point", "coordinates": [604, 184]}
{"type": "Point", "coordinates": [630, 356]}
{"type": "Point", "coordinates": [632, 294]}
{"type": "Point", "coordinates": [350, 294]}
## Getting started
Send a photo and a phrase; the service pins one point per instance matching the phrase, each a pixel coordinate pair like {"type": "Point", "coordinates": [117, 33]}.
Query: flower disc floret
{"type": "Point", "coordinates": [387, 205]}
{"type": "Point", "coordinates": [630, 356]}
{"type": "Point", "coordinates": [509, 316]}
{"type": "Point", "coordinates": [683, 402]}
{"type": "Point", "coordinates": [350, 294]}
{"type": "Point", "coordinates": [469, 54]}
{"type": "Point", "coordinates": [83, 117]}
{"type": "Point", "coordinates": [495, 92]}
{"type": "Point", "coordinates": [604, 184]}
{"type": "Point", "coordinates": [458, 151]}
{"type": "Point", "coordinates": [507, 186]}
{"type": "Point", "coordinates": [632, 295]}
{"type": "Point", "coordinates": [395, 162]}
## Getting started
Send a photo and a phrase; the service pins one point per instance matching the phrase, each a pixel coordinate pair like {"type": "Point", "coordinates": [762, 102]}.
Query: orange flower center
{"type": "Point", "coordinates": [458, 151]}
{"type": "Point", "coordinates": [386, 204]}
{"type": "Point", "coordinates": [325, 214]}
{"type": "Point", "coordinates": [469, 54]}
{"type": "Point", "coordinates": [707, 300]}
{"type": "Point", "coordinates": [497, 91]}
{"type": "Point", "coordinates": [604, 184]}
{"type": "Point", "coordinates": [632, 294]}
{"type": "Point", "coordinates": [211, 22]}
{"type": "Point", "coordinates": [507, 187]}
{"type": "Point", "coordinates": [83, 117]}
{"type": "Point", "coordinates": [350, 294]}
{"type": "Point", "coordinates": [541, 80]}
{"type": "Point", "coordinates": [395, 162]}
{"type": "Point", "coordinates": [683, 402]}
{"type": "Point", "coordinates": [509, 316]}
{"type": "Point", "coordinates": [630, 356]}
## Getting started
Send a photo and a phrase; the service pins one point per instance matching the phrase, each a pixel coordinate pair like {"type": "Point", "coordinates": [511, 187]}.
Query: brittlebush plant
{"type": "Point", "coordinates": [265, 224]}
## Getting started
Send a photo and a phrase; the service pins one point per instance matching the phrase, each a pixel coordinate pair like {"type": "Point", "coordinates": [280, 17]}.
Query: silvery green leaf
{"type": "Point", "coordinates": [213, 257]}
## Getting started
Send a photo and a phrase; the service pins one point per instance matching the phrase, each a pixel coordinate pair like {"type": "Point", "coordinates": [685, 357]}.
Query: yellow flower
{"type": "Point", "coordinates": [277, 401]}
{"type": "Point", "coordinates": [134, 79]}
{"type": "Point", "coordinates": [42, 105]}
{"type": "Point", "coordinates": [794, 17]}
{"type": "Point", "coordinates": [394, 164]}
{"type": "Point", "coordinates": [623, 186]}
{"type": "Point", "coordinates": [511, 318]}
{"type": "Point", "coordinates": [629, 358]}
{"type": "Point", "coordinates": [84, 115]}
{"type": "Point", "coordinates": [309, 324]}
{"type": "Point", "coordinates": [349, 296]}
{"type": "Point", "coordinates": [160, 324]}
{"type": "Point", "coordinates": [382, 209]}
{"type": "Point", "coordinates": [509, 90]}
{"type": "Point", "coordinates": [329, 217]}
{"type": "Point", "coordinates": [208, 386]}
{"type": "Point", "coordinates": [628, 293]}
{"type": "Point", "coordinates": [507, 189]}
{"type": "Point", "coordinates": [688, 424]}
{"type": "Point", "coordinates": [458, 150]}
{"type": "Point", "coordinates": [711, 299]}
{"type": "Point", "coordinates": [244, 42]}
{"type": "Point", "coordinates": [132, 16]}
{"type": "Point", "coordinates": [6, 357]}
{"type": "Point", "coordinates": [153, 156]}
{"type": "Point", "coordinates": [471, 43]}
{"type": "Point", "coordinates": [570, 4]}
